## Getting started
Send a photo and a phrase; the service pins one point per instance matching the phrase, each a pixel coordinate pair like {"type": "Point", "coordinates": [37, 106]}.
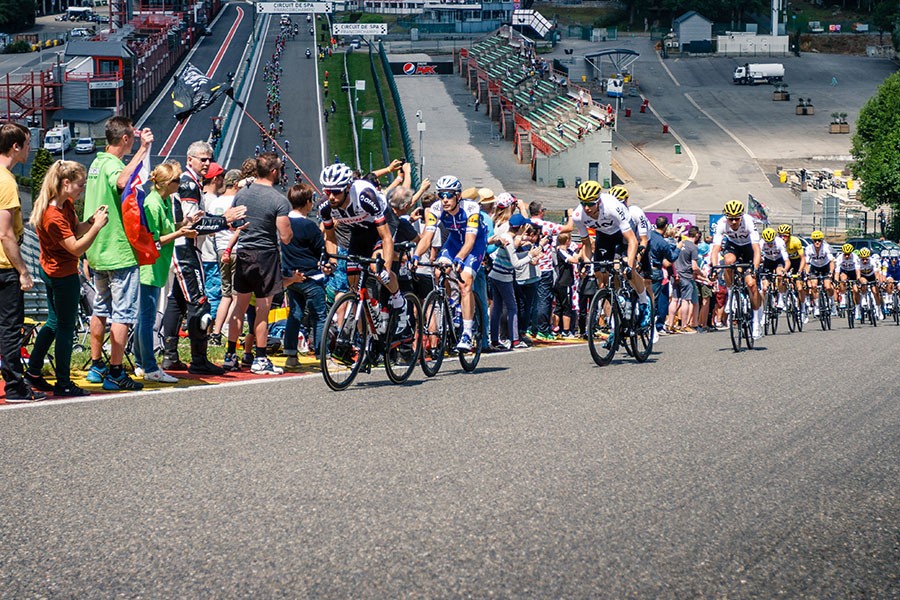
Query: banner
{"type": "Point", "coordinates": [359, 29]}
{"type": "Point", "coordinates": [685, 219]}
{"type": "Point", "coordinates": [652, 216]}
{"type": "Point", "coordinates": [422, 68]}
{"type": "Point", "coordinates": [713, 221]}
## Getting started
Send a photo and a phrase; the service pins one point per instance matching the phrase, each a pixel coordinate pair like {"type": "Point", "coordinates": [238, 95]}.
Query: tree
{"type": "Point", "coordinates": [876, 146]}
{"type": "Point", "coordinates": [885, 17]}
{"type": "Point", "coordinates": [16, 15]}
{"type": "Point", "coordinates": [42, 162]}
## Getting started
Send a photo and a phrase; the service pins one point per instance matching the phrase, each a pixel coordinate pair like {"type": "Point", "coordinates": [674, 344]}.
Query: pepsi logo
{"type": "Point", "coordinates": [409, 68]}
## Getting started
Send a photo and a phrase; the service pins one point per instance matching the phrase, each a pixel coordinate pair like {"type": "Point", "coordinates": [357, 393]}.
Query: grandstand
{"type": "Point", "coordinates": [555, 126]}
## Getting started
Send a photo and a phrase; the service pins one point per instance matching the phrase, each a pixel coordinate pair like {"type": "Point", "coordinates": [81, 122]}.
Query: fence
{"type": "Point", "coordinates": [385, 122]}
{"type": "Point", "coordinates": [408, 154]}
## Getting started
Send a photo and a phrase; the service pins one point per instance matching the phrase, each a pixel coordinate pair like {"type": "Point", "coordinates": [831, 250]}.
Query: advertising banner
{"type": "Point", "coordinates": [359, 29]}
{"type": "Point", "coordinates": [293, 8]}
{"type": "Point", "coordinates": [422, 68]}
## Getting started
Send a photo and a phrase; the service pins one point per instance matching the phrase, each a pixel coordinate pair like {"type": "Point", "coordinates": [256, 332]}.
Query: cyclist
{"type": "Point", "coordinates": [819, 261]}
{"type": "Point", "coordinates": [737, 236]}
{"type": "Point", "coordinates": [891, 268]}
{"type": "Point", "coordinates": [774, 260]}
{"type": "Point", "coordinates": [357, 204]}
{"type": "Point", "coordinates": [464, 244]}
{"type": "Point", "coordinates": [870, 274]}
{"type": "Point", "coordinates": [612, 222]}
{"type": "Point", "coordinates": [847, 271]}
{"type": "Point", "coordinates": [797, 256]}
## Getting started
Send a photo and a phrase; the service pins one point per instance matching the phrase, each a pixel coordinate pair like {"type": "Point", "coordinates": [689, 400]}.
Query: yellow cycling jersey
{"type": "Point", "coordinates": [795, 248]}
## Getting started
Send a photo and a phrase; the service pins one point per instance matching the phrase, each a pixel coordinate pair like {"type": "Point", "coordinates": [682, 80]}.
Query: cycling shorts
{"type": "Point", "coordinates": [851, 275]}
{"type": "Point", "coordinates": [795, 265]}
{"type": "Point", "coordinates": [743, 254]}
{"type": "Point", "coordinates": [771, 266]}
{"type": "Point", "coordinates": [816, 271]}
{"type": "Point", "coordinates": [363, 242]}
{"type": "Point", "coordinates": [609, 247]}
{"type": "Point", "coordinates": [471, 263]}
{"type": "Point", "coordinates": [870, 278]}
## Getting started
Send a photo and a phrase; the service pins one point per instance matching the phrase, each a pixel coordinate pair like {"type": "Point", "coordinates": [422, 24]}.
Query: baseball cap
{"type": "Point", "coordinates": [517, 220]}
{"type": "Point", "coordinates": [215, 169]}
{"type": "Point", "coordinates": [505, 200]}
{"type": "Point", "coordinates": [232, 176]}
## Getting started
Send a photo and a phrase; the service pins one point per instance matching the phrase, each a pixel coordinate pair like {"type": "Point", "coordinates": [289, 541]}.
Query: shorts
{"type": "Point", "coordinates": [471, 263]}
{"type": "Point", "coordinates": [608, 247]}
{"type": "Point", "coordinates": [257, 272]}
{"type": "Point", "coordinates": [705, 290]}
{"type": "Point", "coordinates": [816, 271]}
{"type": "Point", "coordinates": [743, 254]}
{"type": "Point", "coordinates": [685, 289]}
{"type": "Point", "coordinates": [363, 242]}
{"type": "Point", "coordinates": [851, 275]}
{"type": "Point", "coordinates": [226, 271]}
{"type": "Point", "coordinates": [771, 266]}
{"type": "Point", "coordinates": [795, 265]}
{"type": "Point", "coordinates": [721, 296]}
{"type": "Point", "coordinates": [870, 278]}
{"type": "Point", "coordinates": [117, 294]}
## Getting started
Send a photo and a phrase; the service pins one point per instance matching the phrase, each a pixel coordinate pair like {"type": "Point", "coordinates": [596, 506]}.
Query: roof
{"type": "Point", "coordinates": [690, 15]}
{"type": "Point", "coordinates": [99, 48]}
{"type": "Point", "coordinates": [83, 115]}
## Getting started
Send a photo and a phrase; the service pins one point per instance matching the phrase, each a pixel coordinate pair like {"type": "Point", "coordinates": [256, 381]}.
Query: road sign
{"type": "Point", "coordinates": [368, 123]}
{"type": "Point", "coordinates": [360, 85]}
{"type": "Point", "coordinates": [359, 29]}
{"type": "Point", "coordinates": [292, 8]}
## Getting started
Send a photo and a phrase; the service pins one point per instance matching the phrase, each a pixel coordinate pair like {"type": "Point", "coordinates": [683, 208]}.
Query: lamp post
{"type": "Point", "coordinates": [420, 126]}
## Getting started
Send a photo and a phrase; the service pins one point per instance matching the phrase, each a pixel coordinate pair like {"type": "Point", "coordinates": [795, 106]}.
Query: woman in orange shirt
{"type": "Point", "coordinates": [63, 240]}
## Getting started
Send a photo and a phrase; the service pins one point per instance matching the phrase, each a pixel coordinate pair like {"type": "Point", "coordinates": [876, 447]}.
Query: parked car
{"type": "Point", "coordinates": [876, 246]}
{"type": "Point", "coordinates": [85, 146]}
{"type": "Point", "coordinates": [80, 32]}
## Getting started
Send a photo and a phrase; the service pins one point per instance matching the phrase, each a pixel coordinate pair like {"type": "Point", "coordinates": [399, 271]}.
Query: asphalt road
{"type": "Point", "coordinates": [702, 473]}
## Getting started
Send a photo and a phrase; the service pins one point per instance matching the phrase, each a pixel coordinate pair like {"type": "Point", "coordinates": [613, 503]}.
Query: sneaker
{"type": "Point", "coordinates": [526, 340]}
{"type": "Point", "coordinates": [780, 304]}
{"type": "Point", "coordinates": [546, 337]}
{"type": "Point", "coordinates": [816, 311]}
{"type": "Point", "coordinates": [660, 332]}
{"type": "Point", "coordinates": [158, 376]}
{"type": "Point", "coordinates": [656, 333]}
{"type": "Point", "coordinates": [215, 339]}
{"type": "Point", "coordinates": [857, 314]}
{"type": "Point", "coordinates": [498, 347]}
{"type": "Point", "coordinates": [520, 345]}
{"type": "Point", "coordinates": [806, 318]}
{"type": "Point", "coordinates": [721, 327]}
{"type": "Point", "coordinates": [231, 363]}
{"type": "Point", "coordinates": [247, 360]}
{"type": "Point", "coordinates": [264, 366]}
{"type": "Point", "coordinates": [465, 342]}
{"type": "Point", "coordinates": [96, 374]}
{"type": "Point", "coordinates": [568, 335]}
{"type": "Point", "coordinates": [204, 367]}
{"type": "Point", "coordinates": [37, 382]}
{"type": "Point", "coordinates": [139, 372]}
{"type": "Point", "coordinates": [122, 382]}
{"type": "Point", "coordinates": [173, 365]}
{"type": "Point", "coordinates": [292, 362]}
{"type": "Point", "coordinates": [22, 394]}
{"type": "Point", "coordinates": [69, 390]}
{"type": "Point", "coordinates": [688, 330]}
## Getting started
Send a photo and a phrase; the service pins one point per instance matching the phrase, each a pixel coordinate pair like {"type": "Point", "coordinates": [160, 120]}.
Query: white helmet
{"type": "Point", "coordinates": [335, 176]}
{"type": "Point", "coordinates": [448, 183]}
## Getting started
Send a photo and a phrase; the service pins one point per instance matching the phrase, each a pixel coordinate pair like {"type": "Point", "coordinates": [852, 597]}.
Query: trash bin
{"type": "Point", "coordinates": [560, 183]}
{"type": "Point", "coordinates": [665, 128]}
{"type": "Point", "coordinates": [782, 176]}
{"type": "Point", "coordinates": [627, 112]}
{"type": "Point", "coordinates": [577, 181]}
{"type": "Point", "coordinates": [677, 148]}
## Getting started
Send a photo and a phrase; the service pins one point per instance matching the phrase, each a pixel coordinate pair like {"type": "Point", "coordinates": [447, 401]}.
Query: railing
{"type": "Point", "coordinates": [385, 123]}
{"type": "Point", "coordinates": [538, 144]}
{"type": "Point", "coordinates": [408, 154]}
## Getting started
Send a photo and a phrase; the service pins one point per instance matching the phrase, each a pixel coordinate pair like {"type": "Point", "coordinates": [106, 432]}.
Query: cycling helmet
{"type": "Point", "coordinates": [784, 229]}
{"type": "Point", "coordinates": [588, 192]}
{"type": "Point", "coordinates": [733, 208]}
{"type": "Point", "coordinates": [619, 192]}
{"type": "Point", "coordinates": [336, 176]}
{"type": "Point", "coordinates": [768, 234]}
{"type": "Point", "coordinates": [847, 248]}
{"type": "Point", "coordinates": [817, 235]}
{"type": "Point", "coordinates": [449, 183]}
{"type": "Point", "coordinates": [865, 253]}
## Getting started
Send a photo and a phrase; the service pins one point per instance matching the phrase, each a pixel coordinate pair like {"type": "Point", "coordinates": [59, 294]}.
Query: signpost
{"type": "Point", "coordinates": [359, 29]}
{"type": "Point", "coordinates": [291, 8]}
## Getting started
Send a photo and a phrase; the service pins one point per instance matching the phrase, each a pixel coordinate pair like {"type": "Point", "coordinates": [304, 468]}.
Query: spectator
{"type": "Point", "coordinates": [111, 257]}
{"type": "Point", "coordinates": [562, 288]}
{"type": "Point", "coordinates": [662, 255]}
{"type": "Point", "coordinates": [300, 258]}
{"type": "Point", "coordinates": [63, 240]}
{"type": "Point", "coordinates": [528, 277]}
{"type": "Point", "coordinates": [548, 234]}
{"type": "Point", "coordinates": [501, 278]}
{"type": "Point", "coordinates": [685, 291]}
{"type": "Point", "coordinates": [486, 199]}
{"type": "Point", "coordinates": [225, 241]}
{"type": "Point", "coordinates": [257, 268]}
{"type": "Point", "coordinates": [401, 201]}
{"type": "Point", "coordinates": [213, 185]}
{"type": "Point", "coordinates": [15, 278]}
{"type": "Point", "coordinates": [158, 212]}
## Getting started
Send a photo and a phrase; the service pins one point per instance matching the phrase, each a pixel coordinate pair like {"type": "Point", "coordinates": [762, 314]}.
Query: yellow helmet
{"type": "Point", "coordinates": [588, 192]}
{"type": "Point", "coordinates": [733, 208]}
{"type": "Point", "coordinates": [817, 235]}
{"type": "Point", "coordinates": [619, 192]}
{"type": "Point", "coordinates": [768, 234]}
{"type": "Point", "coordinates": [784, 229]}
{"type": "Point", "coordinates": [847, 248]}
{"type": "Point", "coordinates": [865, 253]}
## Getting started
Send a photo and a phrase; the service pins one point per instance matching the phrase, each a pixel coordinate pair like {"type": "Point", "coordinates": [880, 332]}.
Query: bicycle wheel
{"type": "Point", "coordinates": [873, 310]}
{"type": "Point", "coordinates": [603, 327]}
{"type": "Point", "coordinates": [402, 346]}
{"type": "Point", "coordinates": [735, 322]}
{"type": "Point", "coordinates": [469, 360]}
{"type": "Point", "coordinates": [790, 306]}
{"type": "Point", "coordinates": [434, 333]}
{"type": "Point", "coordinates": [344, 342]}
{"type": "Point", "coordinates": [799, 312]}
{"type": "Point", "coordinates": [642, 338]}
{"type": "Point", "coordinates": [851, 312]}
{"type": "Point", "coordinates": [895, 307]}
{"type": "Point", "coordinates": [829, 307]}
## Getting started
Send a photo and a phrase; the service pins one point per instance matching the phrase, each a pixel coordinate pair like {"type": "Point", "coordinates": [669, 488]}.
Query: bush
{"type": "Point", "coordinates": [20, 47]}
{"type": "Point", "coordinates": [611, 18]}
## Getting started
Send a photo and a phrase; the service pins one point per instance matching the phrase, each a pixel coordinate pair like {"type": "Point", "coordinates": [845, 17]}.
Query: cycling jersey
{"type": "Point", "coordinates": [794, 247]}
{"type": "Point", "coordinates": [774, 250]}
{"type": "Point", "coordinates": [639, 223]}
{"type": "Point", "coordinates": [821, 258]}
{"type": "Point", "coordinates": [466, 220]}
{"type": "Point", "coordinates": [892, 270]}
{"type": "Point", "coordinates": [613, 218]}
{"type": "Point", "coordinates": [366, 210]}
{"type": "Point", "coordinates": [868, 266]}
{"type": "Point", "coordinates": [744, 235]}
{"type": "Point", "coordinates": [847, 264]}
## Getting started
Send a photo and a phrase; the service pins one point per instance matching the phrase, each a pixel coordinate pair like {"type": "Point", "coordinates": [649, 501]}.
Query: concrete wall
{"type": "Point", "coordinates": [574, 161]}
{"type": "Point", "coordinates": [737, 44]}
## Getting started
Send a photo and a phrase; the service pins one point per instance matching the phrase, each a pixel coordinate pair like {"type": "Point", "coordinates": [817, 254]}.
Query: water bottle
{"type": "Point", "coordinates": [374, 311]}
{"type": "Point", "coordinates": [625, 303]}
{"type": "Point", "coordinates": [455, 312]}
{"type": "Point", "coordinates": [382, 322]}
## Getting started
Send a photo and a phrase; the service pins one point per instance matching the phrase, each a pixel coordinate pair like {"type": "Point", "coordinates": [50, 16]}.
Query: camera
{"type": "Point", "coordinates": [418, 114]}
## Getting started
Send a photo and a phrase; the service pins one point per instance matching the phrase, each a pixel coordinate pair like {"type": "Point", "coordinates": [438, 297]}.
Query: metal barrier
{"type": "Point", "coordinates": [385, 123]}
{"type": "Point", "coordinates": [408, 154]}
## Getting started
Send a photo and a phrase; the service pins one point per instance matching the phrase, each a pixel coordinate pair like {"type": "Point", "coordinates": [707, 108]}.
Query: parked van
{"type": "Point", "coordinates": [58, 139]}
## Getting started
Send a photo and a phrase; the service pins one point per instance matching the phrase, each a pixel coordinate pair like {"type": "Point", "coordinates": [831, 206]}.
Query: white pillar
{"type": "Point", "coordinates": [775, 4]}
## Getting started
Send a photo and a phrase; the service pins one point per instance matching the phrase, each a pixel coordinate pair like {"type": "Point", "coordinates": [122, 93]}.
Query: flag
{"type": "Point", "coordinates": [757, 209]}
{"type": "Point", "coordinates": [193, 92]}
{"type": "Point", "coordinates": [133, 218]}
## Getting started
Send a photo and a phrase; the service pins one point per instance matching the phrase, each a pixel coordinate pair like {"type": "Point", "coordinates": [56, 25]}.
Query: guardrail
{"type": "Point", "coordinates": [408, 154]}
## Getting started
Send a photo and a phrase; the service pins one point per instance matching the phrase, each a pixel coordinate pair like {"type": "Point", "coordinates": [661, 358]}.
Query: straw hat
{"type": "Point", "coordinates": [469, 193]}
{"type": "Point", "coordinates": [486, 195]}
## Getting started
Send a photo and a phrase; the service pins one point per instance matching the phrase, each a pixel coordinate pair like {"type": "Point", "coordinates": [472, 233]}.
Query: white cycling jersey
{"type": "Point", "coordinates": [613, 218]}
{"type": "Point", "coordinates": [367, 208]}
{"type": "Point", "coordinates": [745, 234]}
{"type": "Point", "coordinates": [774, 250]}
{"type": "Point", "coordinates": [819, 259]}
{"type": "Point", "coordinates": [868, 266]}
{"type": "Point", "coordinates": [639, 223]}
{"type": "Point", "coordinates": [847, 264]}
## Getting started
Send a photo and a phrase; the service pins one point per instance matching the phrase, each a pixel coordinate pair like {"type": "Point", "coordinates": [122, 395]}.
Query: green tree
{"type": "Point", "coordinates": [42, 162]}
{"type": "Point", "coordinates": [16, 15]}
{"type": "Point", "coordinates": [876, 146]}
{"type": "Point", "coordinates": [885, 16]}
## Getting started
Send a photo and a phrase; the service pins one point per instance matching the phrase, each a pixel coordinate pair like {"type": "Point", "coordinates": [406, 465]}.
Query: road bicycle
{"type": "Point", "coordinates": [740, 320]}
{"type": "Point", "coordinates": [848, 306]}
{"type": "Point", "coordinates": [770, 304]}
{"type": "Point", "coordinates": [614, 319]}
{"type": "Point", "coordinates": [824, 302]}
{"type": "Point", "coordinates": [867, 305]}
{"type": "Point", "coordinates": [792, 310]}
{"type": "Point", "coordinates": [359, 335]}
{"type": "Point", "coordinates": [442, 326]}
{"type": "Point", "coordinates": [891, 303]}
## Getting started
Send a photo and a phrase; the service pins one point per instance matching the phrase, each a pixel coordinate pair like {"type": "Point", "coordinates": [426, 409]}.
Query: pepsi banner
{"type": "Point", "coordinates": [422, 68]}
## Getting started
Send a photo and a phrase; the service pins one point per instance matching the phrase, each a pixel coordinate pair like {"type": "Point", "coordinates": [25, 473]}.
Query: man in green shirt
{"type": "Point", "coordinates": [111, 257]}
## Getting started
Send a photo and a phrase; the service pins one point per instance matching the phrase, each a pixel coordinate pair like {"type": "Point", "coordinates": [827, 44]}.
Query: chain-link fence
{"type": "Point", "coordinates": [408, 154]}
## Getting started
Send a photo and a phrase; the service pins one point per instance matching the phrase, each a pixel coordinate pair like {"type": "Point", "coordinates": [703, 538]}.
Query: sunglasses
{"type": "Point", "coordinates": [446, 195]}
{"type": "Point", "coordinates": [333, 191]}
{"type": "Point", "coordinates": [589, 204]}
{"type": "Point", "coordinates": [734, 219]}
{"type": "Point", "coordinates": [203, 159]}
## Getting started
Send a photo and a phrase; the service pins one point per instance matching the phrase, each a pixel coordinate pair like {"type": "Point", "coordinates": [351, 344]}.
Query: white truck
{"type": "Point", "coordinates": [57, 140]}
{"type": "Point", "coordinates": [752, 73]}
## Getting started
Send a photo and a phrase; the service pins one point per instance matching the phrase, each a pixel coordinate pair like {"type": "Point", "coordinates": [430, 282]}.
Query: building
{"type": "Point", "coordinates": [692, 27]}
